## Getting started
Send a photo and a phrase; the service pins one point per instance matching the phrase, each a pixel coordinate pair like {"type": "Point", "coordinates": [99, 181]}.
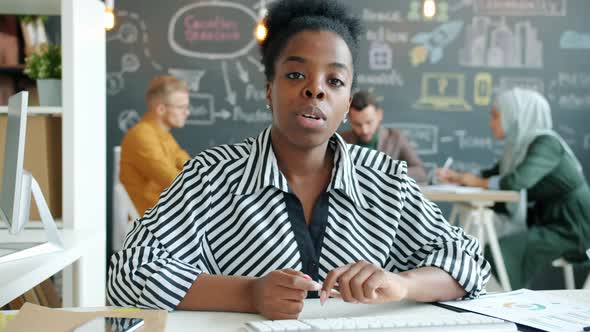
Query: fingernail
{"type": "Point", "coordinates": [317, 286]}
{"type": "Point", "coordinates": [323, 297]}
{"type": "Point", "coordinates": [306, 277]}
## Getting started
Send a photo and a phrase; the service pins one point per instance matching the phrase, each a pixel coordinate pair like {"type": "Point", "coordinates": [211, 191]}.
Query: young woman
{"type": "Point", "coordinates": [537, 161]}
{"type": "Point", "coordinates": [259, 226]}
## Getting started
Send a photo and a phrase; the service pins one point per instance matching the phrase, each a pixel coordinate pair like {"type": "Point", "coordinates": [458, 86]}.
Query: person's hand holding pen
{"type": "Point", "coordinates": [446, 175]}
{"type": "Point", "coordinates": [281, 293]}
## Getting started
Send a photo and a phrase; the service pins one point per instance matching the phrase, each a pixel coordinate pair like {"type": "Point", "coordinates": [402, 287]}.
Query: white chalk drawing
{"type": "Point", "coordinates": [460, 4]}
{"type": "Point", "coordinates": [244, 49]}
{"type": "Point", "coordinates": [573, 80]}
{"type": "Point", "coordinates": [381, 16]}
{"type": "Point", "coordinates": [230, 94]}
{"type": "Point", "coordinates": [570, 90]}
{"type": "Point", "coordinates": [415, 12]}
{"type": "Point", "coordinates": [380, 56]}
{"type": "Point", "coordinates": [443, 92]}
{"type": "Point", "coordinates": [490, 43]}
{"type": "Point", "coordinates": [482, 89]}
{"type": "Point", "coordinates": [202, 112]}
{"type": "Point", "coordinates": [573, 40]}
{"type": "Point", "coordinates": [473, 142]}
{"type": "Point", "coordinates": [520, 7]}
{"type": "Point", "coordinates": [386, 34]}
{"type": "Point", "coordinates": [127, 119]}
{"type": "Point", "coordinates": [422, 137]}
{"type": "Point", "coordinates": [509, 82]}
{"type": "Point", "coordinates": [257, 63]}
{"type": "Point", "coordinates": [391, 78]}
{"type": "Point", "coordinates": [115, 83]}
{"type": "Point", "coordinates": [192, 77]}
{"type": "Point", "coordinates": [115, 80]}
{"type": "Point", "coordinates": [437, 40]}
{"type": "Point", "coordinates": [571, 101]}
{"type": "Point", "coordinates": [130, 63]}
{"type": "Point", "coordinates": [586, 144]}
{"type": "Point", "coordinates": [447, 139]}
{"type": "Point", "coordinates": [128, 33]}
{"type": "Point", "coordinates": [242, 73]}
{"type": "Point", "coordinates": [260, 115]}
{"type": "Point", "coordinates": [254, 93]}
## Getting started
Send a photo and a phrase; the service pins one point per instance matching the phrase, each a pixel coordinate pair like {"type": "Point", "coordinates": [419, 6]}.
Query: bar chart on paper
{"type": "Point", "coordinates": [542, 311]}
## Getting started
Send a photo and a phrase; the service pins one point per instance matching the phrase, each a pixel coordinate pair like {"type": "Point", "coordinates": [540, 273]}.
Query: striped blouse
{"type": "Point", "coordinates": [231, 212]}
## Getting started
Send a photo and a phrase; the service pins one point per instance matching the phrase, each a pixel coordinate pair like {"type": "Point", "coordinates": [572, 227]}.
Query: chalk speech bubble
{"type": "Point", "coordinates": [213, 25]}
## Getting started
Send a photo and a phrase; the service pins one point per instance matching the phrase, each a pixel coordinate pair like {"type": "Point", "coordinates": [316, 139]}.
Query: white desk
{"type": "Point", "coordinates": [181, 321]}
{"type": "Point", "coordinates": [476, 206]}
{"type": "Point", "coordinates": [19, 276]}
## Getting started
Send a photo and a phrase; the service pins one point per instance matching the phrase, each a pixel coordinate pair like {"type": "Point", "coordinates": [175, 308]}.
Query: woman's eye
{"type": "Point", "coordinates": [336, 82]}
{"type": "Point", "coordinates": [295, 76]}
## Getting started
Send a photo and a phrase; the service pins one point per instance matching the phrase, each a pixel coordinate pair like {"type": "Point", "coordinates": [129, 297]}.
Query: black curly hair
{"type": "Point", "coordinates": [288, 17]}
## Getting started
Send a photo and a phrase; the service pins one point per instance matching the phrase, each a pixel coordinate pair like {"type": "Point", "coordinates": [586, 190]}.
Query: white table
{"type": "Point", "coordinates": [476, 206]}
{"type": "Point", "coordinates": [181, 321]}
{"type": "Point", "coordinates": [78, 258]}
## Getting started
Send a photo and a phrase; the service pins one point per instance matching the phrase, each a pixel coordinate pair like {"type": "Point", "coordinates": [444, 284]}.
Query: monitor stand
{"type": "Point", "coordinates": [11, 251]}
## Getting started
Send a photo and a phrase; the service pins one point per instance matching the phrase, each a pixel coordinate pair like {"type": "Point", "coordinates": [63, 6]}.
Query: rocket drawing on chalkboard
{"type": "Point", "coordinates": [432, 44]}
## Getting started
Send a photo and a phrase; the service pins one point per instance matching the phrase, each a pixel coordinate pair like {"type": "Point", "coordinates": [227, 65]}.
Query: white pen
{"type": "Point", "coordinates": [447, 164]}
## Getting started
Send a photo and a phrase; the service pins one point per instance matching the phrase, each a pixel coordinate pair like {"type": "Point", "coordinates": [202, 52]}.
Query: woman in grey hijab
{"type": "Point", "coordinates": [537, 162]}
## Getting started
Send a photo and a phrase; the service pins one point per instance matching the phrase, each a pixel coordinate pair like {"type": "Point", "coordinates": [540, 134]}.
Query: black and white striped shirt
{"type": "Point", "coordinates": [231, 212]}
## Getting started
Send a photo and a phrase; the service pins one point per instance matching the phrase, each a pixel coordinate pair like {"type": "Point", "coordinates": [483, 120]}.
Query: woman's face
{"type": "Point", "coordinates": [311, 90]}
{"type": "Point", "coordinates": [496, 124]}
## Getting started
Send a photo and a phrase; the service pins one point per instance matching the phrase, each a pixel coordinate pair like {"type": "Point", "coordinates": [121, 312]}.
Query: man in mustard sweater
{"type": "Point", "coordinates": [150, 156]}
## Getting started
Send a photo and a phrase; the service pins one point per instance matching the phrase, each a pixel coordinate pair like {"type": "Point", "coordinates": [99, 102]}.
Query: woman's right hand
{"type": "Point", "coordinates": [280, 294]}
{"type": "Point", "coordinates": [447, 176]}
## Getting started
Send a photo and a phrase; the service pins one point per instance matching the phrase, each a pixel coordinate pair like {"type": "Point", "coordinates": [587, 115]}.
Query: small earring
{"type": "Point", "coordinates": [345, 118]}
{"type": "Point", "coordinates": [268, 107]}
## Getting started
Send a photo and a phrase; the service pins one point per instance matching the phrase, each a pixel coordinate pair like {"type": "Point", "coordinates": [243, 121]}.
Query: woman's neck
{"type": "Point", "coordinates": [297, 163]}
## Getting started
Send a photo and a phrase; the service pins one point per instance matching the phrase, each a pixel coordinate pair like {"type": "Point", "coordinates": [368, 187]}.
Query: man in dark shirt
{"type": "Point", "coordinates": [365, 118]}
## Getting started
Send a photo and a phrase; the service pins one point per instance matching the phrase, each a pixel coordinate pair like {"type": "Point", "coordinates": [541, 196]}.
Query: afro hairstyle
{"type": "Point", "coordinates": [288, 17]}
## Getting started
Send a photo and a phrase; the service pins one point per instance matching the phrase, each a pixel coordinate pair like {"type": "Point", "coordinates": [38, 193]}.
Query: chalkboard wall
{"type": "Point", "coordinates": [435, 78]}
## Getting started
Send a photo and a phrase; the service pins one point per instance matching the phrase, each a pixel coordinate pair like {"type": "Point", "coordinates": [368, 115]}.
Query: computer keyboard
{"type": "Point", "coordinates": [410, 323]}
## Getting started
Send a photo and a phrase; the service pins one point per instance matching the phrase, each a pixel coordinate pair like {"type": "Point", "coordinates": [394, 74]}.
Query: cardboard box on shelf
{"type": "Point", "coordinates": [42, 159]}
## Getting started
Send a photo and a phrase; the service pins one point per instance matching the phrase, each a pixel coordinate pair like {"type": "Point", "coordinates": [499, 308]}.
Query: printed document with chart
{"type": "Point", "coordinates": [540, 310]}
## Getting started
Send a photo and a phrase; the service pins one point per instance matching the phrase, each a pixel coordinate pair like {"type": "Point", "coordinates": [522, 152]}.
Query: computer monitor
{"type": "Point", "coordinates": [17, 187]}
{"type": "Point", "coordinates": [15, 198]}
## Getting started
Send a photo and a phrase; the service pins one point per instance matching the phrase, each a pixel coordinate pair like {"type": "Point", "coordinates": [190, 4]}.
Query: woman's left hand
{"type": "Point", "coordinates": [365, 283]}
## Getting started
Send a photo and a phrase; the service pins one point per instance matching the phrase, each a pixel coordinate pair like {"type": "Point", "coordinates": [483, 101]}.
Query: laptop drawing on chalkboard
{"type": "Point", "coordinates": [443, 91]}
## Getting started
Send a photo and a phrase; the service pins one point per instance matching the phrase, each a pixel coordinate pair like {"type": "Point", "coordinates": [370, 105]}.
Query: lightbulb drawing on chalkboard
{"type": "Point", "coordinates": [434, 42]}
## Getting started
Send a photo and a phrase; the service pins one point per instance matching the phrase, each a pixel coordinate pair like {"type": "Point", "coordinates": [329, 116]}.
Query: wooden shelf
{"type": "Point", "coordinates": [12, 69]}
{"type": "Point", "coordinates": [38, 110]}
{"type": "Point", "coordinates": [31, 7]}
